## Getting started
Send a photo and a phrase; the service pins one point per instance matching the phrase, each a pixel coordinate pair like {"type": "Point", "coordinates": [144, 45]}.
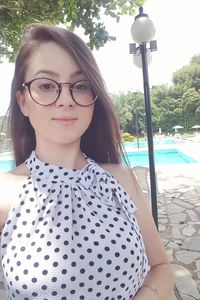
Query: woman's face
{"type": "Point", "coordinates": [63, 121]}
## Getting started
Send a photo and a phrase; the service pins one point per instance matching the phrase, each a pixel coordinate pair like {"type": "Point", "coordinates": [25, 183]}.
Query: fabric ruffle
{"type": "Point", "coordinates": [92, 178]}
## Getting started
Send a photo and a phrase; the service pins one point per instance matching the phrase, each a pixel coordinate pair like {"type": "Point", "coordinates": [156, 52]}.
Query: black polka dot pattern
{"type": "Point", "coordinates": [72, 235]}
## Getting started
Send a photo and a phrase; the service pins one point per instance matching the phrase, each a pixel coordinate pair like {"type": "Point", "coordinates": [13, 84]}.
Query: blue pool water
{"type": "Point", "coordinates": [140, 158]}
{"type": "Point", "coordinates": [6, 165]}
{"type": "Point", "coordinates": [144, 143]}
{"type": "Point", "coordinates": [162, 157]}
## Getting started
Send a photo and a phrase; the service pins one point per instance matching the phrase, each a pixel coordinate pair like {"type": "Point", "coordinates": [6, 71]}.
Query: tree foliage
{"type": "Point", "coordinates": [188, 76]}
{"type": "Point", "coordinates": [15, 14]}
{"type": "Point", "coordinates": [131, 111]}
{"type": "Point", "coordinates": [191, 106]}
{"type": "Point", "coordinates": [178, 104]}
{"type": "Point", "coordinates": [4, 127]}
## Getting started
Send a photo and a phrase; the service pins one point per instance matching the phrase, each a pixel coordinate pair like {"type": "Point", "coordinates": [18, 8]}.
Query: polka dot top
{"type": "Point", "coordinates": [72, 235]}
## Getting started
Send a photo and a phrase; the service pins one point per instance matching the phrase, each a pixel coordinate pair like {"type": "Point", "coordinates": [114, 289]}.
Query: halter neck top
{"type": "Point", "coordinates": [72, 234]}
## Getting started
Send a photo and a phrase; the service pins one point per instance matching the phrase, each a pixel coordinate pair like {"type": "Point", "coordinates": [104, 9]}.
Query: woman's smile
{"type": "Point", "coordinates": [65, 120]}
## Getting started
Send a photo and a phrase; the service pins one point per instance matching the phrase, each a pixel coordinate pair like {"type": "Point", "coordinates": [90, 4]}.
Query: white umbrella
{"type": "Point", "coordinates": [196, 126]}
{"type": "Point", "coordinates": [177, 127]}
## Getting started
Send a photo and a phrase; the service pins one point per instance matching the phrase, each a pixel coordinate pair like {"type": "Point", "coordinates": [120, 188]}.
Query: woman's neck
{"type": "Point", "coordinates": [67, 156]}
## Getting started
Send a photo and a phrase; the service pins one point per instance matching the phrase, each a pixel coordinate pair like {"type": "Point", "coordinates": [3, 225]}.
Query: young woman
{"type": "Point", "coordinates": [73, 221]}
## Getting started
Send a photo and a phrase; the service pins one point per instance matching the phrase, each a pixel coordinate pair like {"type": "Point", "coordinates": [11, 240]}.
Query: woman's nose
{"type": "Point", "coordinates": [65, 97]}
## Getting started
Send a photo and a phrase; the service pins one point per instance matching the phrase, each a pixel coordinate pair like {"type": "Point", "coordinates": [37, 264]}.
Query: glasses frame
{"type": "Point", "coordinates": [59, 84]}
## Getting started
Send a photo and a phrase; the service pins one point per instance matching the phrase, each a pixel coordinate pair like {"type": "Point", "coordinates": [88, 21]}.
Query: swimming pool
{"type": "Point", "coordinates": [6, 165]}
{"type": "Point", "coordinates": [162, 157]}
{"type": "Point", "coordinates": [156, 142]}
{"type": "Point", "coordinates": [6, 162]}
{"type": "Point", "coordinates": [139, 158]}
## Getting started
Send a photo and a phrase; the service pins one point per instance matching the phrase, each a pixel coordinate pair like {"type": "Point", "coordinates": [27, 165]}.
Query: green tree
{"type": "Point", "coordinates": [139, 113]}
{"type": "Point", "coordinates": [130, 109]}
{"type": "Point", "coordinates": [158, 96]}
{"type": "Point", "coordinates": [15, 14]}
{"type": "Point", "coordinates": [182, 78]}
{"type": "Point", "coordinates": [170, 114]}
{"type": "Point", "coordinates": [188, 76]}
{"type": "Point", "coordinates": [178, 103]}
{"type": "Point", "coordinates": [195, 60]}
{"type": "Point", "coordinates": [191, 107]}
{"type": "Point", "coordinates": [166, 107]}
{"type": "Point", "coordinates": [3, 124]}
{"type": "Point", "coordinates": [4, 133]}
{"type": "Point", "coordinates": [123, 105]}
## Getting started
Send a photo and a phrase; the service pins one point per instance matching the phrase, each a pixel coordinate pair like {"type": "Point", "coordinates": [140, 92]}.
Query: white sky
{"type": "Point", "coordinates": [177, 25]}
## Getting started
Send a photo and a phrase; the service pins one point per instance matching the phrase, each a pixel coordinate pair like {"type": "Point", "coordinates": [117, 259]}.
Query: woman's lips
{"type": "Point", "coordinates": [65, 120]}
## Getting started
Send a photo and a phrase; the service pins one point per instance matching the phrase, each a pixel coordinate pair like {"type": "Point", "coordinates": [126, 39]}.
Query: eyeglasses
{"type": "Point", "coordinates": [45, 91]}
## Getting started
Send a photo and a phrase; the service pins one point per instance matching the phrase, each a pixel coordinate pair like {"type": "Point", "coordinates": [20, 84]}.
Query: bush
{"type": "Point", "coordinates": [127, 137]}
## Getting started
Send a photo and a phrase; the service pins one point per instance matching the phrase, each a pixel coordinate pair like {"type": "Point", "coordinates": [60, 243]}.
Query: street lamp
{"type": "Point", "coordinates": [143, 31]}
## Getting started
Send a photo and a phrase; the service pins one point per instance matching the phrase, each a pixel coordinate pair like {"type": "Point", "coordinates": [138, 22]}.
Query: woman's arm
{"type": "Point", "coordinates": [158, 285]}
{"type": "Point", "coordinates": [10, 184]}
{"type": "Point", "coordinates": [159, 282]}
{"type": "Point", "coordinates": [6, 189]}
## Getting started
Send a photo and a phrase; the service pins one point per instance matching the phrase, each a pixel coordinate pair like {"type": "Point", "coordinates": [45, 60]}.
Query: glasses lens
{"type": "Point", "coordinates": [82, 93]}
{"type": "Point", "coordinates": [44, 91]}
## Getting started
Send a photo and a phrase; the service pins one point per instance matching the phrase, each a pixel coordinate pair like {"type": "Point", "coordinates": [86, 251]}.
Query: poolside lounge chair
{"type": "Point", "coordinates": [2, 291]}
{"type": "Point", "coordinates": [2, 294]}
{"type": "Point", "coordinates": [143, 176]}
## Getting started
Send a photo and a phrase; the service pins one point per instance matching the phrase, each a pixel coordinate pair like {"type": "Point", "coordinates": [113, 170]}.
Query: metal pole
{"type": "Point", "coordinates": [143, 51]}
{"type": "Point", "coordinates": [136, 121]}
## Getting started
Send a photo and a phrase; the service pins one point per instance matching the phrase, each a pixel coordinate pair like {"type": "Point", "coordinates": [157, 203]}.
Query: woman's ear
{"type": "Point", "coordinates": [22, 102]}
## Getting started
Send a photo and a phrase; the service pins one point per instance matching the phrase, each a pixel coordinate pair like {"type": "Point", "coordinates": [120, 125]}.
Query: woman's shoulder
{"type": "Point", "coordinates": [15, 175]}
{"type": "Point", "coordinates": [10, 183]}
{"type": "Point", "coordinates": [125, 178]}
{"type": "Point", "coordinates": [116, 170]}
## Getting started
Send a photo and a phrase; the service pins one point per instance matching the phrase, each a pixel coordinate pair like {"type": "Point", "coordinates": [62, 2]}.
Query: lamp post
{"type": "Point", "coordinates": [142, 32]}
{"type": "Point", "coordinates": [136, 120]}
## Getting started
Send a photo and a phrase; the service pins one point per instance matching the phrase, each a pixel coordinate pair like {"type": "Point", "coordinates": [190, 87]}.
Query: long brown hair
{"type": "Point", "coordinates": [102, 140]}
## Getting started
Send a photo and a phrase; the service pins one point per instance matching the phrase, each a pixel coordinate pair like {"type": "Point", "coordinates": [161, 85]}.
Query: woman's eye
{"type": "Point", "coordinates": [81, 87]}
{"type": "Point", "coordinates": [47, 86]}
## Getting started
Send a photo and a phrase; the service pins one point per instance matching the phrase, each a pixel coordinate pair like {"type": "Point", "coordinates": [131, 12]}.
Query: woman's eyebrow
{"type": "Point", "coordinates": [53, 73]}
{"type": "Point", "coordinates": [76, 73]}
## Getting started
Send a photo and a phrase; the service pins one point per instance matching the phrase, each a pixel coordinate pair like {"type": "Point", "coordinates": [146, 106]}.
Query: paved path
{"type": "Point", "coordinates": [179, 226]}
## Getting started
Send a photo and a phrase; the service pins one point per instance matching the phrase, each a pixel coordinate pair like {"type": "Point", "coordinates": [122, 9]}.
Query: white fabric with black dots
{"type": "Point", "coordinates": [72, 235]}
